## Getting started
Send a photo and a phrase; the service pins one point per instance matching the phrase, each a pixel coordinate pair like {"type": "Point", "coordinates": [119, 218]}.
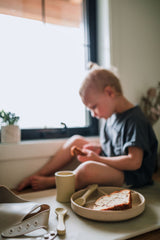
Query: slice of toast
{"type": "Point", "coordinates": [118, 200]}
{"type": "Point", "coordinates": [77, 151]}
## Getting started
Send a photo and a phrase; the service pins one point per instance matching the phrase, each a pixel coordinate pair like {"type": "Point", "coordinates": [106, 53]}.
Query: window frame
{"type": "Point", "coordinates": [90, 46]}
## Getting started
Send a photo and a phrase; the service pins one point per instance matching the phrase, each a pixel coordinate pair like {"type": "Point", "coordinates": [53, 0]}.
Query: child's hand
{"type": "Point", "coordinates": [93, 147]}
{"type": "Point", "coordinates": [90, 156]}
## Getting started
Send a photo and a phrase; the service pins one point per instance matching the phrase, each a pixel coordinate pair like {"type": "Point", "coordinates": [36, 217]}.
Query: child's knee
{"type": "Point", "coordinates": [84, 173]}
{"type": "Point", "coordinates": [76, 140]}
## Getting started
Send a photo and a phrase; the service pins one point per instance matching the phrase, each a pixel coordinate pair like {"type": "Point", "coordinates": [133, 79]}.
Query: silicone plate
{"type": "Point", "coordinates": [138, 206]}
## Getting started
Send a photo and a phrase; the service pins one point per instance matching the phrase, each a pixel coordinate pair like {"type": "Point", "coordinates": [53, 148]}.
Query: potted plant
{"type": "Point", "coordinates": [10, 132]}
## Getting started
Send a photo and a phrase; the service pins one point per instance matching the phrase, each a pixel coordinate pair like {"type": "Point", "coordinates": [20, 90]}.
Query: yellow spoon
{"type": "Point", "coordinates": [82, 200]}
{"type": "Point", "coordinates": [61, 212]}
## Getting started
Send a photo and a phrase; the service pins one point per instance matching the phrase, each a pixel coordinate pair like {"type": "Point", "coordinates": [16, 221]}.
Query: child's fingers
{"type": "Point", "coordinates": [82, 158]}
{"type": "Point", "coordinates": [96, 149]}
{"type": "Point", "coordinates": [75, 151]}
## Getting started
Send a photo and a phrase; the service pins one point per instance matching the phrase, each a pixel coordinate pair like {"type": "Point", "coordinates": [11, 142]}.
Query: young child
{"type": "Point", "coordinates": [128, 147]}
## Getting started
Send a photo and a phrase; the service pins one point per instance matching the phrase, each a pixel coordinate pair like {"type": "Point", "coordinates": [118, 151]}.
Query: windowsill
{"type": "Point", "coordinates": [31, 149]}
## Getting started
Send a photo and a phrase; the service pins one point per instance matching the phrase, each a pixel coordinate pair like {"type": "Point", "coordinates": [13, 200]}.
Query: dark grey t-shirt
{"type": "Point", "coordinates": [127, 129]}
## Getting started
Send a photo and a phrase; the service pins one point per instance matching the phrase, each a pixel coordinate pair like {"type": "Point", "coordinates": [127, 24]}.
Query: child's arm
{"type": "Point", "coordinates": [132, 161]}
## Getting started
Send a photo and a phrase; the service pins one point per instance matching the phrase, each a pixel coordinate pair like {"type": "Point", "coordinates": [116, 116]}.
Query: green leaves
{"type": "Point", "coordinates": [8, 117]}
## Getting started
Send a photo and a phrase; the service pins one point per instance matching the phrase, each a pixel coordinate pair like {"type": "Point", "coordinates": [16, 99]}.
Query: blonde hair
{"type": "Point", "coordinates": [99, 78]}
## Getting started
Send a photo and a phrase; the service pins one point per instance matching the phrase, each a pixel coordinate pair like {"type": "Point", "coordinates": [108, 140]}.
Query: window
{"type": "Point", "coordinates": [44, 63]}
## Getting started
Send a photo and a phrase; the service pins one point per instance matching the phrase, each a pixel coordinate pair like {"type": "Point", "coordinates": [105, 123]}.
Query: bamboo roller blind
{"type": "Point", "coordinates": [60, 12]}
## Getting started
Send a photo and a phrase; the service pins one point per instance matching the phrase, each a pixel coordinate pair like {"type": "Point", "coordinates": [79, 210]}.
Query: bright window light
{"type": "Point", "coordinates": [42, 67]}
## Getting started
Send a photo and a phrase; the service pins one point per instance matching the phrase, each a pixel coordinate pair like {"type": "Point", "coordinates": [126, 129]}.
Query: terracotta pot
{"type": "Point", "coordinates": [10, 134]}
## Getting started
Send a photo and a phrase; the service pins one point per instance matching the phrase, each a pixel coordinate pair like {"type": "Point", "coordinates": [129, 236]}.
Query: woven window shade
{"type": "Point", "coordinates": [60, 12]}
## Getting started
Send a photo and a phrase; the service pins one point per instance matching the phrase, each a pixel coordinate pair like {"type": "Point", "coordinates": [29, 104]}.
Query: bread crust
{"type": "Point", "coordinates": [77, 151]}
{"type": "Point", "coordinates": [118, 200]}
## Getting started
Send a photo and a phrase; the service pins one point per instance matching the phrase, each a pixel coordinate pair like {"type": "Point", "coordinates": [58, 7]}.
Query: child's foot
{"type": "Point", "coordinates": [24, 184]}
{"type": "Point", "coordinates": [41, 183]}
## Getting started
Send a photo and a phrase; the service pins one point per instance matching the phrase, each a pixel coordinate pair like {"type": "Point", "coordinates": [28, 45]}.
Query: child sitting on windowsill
{"type": "Point", "coordinates": [128, 147]}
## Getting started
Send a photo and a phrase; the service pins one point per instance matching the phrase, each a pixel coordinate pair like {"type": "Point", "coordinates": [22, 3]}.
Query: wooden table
{"type": "Point", "coordinates": [154, 235]}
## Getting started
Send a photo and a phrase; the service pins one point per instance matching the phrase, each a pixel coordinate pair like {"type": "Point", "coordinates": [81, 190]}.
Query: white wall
{"type": "Point", "coordinates": [18, 161]}
{"type": "Point", "coordinates": [134, 29]}
{"type": "Point", "coordinates": [21, 160]}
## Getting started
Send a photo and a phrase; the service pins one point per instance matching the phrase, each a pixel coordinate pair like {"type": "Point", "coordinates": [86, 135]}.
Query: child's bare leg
{"type": "Point", "coordinates": [94, 172]}
{"type": "Point", "coordinates": [61, 158]}
{"type": "Point", "coordinates": [63, 155]}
